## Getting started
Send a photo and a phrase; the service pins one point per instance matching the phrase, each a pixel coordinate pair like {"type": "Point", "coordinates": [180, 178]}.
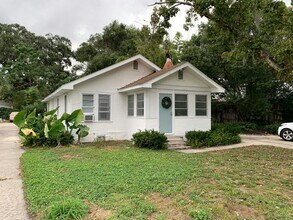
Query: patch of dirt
{"type": "Point", "coordinates": [244, 212]}
{"type": "Point", "coordinates": [69, 156]}
{"type": "Point", "coordinates": [97, 213]}
{"type": "Point", "coordinates": [165, 206]}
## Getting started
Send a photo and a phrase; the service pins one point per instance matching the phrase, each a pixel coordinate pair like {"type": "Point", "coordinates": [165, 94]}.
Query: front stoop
{"type": "Point", "coordinates": [176, 143]}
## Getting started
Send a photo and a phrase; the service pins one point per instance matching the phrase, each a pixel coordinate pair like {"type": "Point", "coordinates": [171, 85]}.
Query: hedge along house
{"type": "Point", "coordinates": [135, 94]}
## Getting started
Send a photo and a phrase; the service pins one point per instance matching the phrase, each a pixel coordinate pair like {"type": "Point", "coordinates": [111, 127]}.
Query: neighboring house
{"type": "Point", "coordinates": [126, 97]}
{"type": "Point", "coordinates": [4, 104]}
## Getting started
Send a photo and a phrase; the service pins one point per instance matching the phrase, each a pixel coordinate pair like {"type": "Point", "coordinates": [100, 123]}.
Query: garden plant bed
{"type": "Point", "coordinates": [125, 182]}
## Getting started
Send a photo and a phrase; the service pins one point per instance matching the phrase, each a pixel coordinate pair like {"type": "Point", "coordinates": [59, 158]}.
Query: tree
{"type": "Point", "coordinates": [260, 28]}
{"type": "Point", "coordinates": [31, 67]}
{"type": "Point", "coordinates": [116, 43]}
{"type": "Point", "coordinates": [250, 85]}
{"type": "Point", "coordinates": [119, 41]}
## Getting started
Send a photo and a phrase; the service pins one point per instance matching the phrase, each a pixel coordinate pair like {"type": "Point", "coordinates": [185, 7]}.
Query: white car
{"type": "Point", "coordinates": [12, 115]}
{"type": "Point", "coordinates": [285, 131]}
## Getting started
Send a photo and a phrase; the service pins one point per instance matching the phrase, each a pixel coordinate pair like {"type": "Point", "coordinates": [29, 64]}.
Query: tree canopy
{"type": "Point", "coordinates": [31, 66]}
{"type": "Point", "coordinates": [119, 41]}
{"type": "Point", "coordinates": [262, 29]}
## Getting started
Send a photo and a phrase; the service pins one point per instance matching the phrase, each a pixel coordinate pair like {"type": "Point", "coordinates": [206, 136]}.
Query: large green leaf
{"type": "Point", "coordinates": [52, 112]}
{"type": "Point", "coordinates": [57, 129]}
{"type": "Point", "coordinates": [65, 116]}
{"type": "Point", "coordinates": [31, 117]}
{"type": "Point", "coordinates": [19, 119]}
{"type": "Point", "coordinates": [82, 131]}
{"type": "Point", "coordinates": [75, 117]}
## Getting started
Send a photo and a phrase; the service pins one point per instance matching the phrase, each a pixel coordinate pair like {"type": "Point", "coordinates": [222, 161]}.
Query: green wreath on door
{"type": "Point", "coordinates": [166, 102]}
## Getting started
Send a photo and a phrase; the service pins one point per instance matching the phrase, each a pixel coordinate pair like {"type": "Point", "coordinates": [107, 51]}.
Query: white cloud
{"type": "Point", "coordinates": [78, 19]}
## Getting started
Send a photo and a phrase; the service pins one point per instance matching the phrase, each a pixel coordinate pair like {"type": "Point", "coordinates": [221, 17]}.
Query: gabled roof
{"type": "Point", "coordinates": [149, 77]}
{"type": "Point", "coordinates": [69, 86]}
{"type": "Point", "coordinates": [147, 81]}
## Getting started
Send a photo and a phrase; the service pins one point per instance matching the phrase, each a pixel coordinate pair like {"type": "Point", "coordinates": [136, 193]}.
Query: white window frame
{"type": "Point", "coordinates": [133, 105]}
{"type": "Point", "coordinates": [92, 107]}
{"type": "Point", "coordinates": [181, 108]}
{"type": "Point", "coordinates": [143, 101]}
{"type": "Point", "coordinates": [65, 103]}
{"type": "Point", "coordinates": [206, 105]}
{"type": "Point", "coordinates": [99, 111]}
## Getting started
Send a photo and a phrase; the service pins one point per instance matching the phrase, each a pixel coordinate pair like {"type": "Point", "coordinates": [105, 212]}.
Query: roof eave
{"type": "Point", "coordinates": [58, 92]}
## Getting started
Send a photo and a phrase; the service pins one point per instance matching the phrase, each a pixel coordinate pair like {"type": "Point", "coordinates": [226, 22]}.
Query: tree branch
{"type": "Point", "coordinates": [269, 61]}
{"type": "Point", "coordinates": [175, 2]}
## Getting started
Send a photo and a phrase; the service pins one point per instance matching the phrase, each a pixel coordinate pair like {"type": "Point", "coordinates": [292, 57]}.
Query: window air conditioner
{"type": "Point", "coordinates": [89, 117]}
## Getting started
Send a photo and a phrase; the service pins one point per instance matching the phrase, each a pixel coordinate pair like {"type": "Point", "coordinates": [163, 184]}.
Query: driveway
{"type": "Point", "coordinates": [248, 140]}
{"type": "Point", "coordinates": [12, 204]}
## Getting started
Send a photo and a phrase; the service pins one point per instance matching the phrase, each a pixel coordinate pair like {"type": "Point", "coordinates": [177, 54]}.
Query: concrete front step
{"type": "Point", "coordinates": [176, 143]}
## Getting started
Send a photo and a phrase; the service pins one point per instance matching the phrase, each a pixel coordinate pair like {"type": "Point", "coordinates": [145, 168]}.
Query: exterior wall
{"type": "Point", "coordinates": [121, 126]}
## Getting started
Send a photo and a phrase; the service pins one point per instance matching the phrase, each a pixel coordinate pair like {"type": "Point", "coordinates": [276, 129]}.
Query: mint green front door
{"type": "Point", "coordinates": [165, 114]}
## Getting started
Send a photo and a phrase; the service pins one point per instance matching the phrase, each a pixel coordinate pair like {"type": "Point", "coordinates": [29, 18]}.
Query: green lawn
{"type": "Point", "coordinates": [118, 181]}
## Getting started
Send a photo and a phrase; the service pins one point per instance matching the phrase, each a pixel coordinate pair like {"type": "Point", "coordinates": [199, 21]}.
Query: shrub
{"type": "Point", "coordinates": [150, 139]}
{"type": "Point", "coordinates": [235, 127]}
{"type": "Point", "coordinates": [67, 209]}
{"type": "Point", "coordinates": [221, 137]}
{"type": "Point", "coordinates": [4, 112]}
{"type": "Point", "coordinates": [47, 130]}
{"type": "Point", "coordinates": [198, 139]}
{"type": "Point", "coordinates": [272, 128]}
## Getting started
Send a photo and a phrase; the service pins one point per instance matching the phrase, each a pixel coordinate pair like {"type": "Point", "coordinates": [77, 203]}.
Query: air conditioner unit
{"type": "Point", "coordinates": [89, 117]}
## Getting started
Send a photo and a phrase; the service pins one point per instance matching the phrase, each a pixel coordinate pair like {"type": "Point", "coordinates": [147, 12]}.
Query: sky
{"type": "Point", "coordinates": [78, 19]}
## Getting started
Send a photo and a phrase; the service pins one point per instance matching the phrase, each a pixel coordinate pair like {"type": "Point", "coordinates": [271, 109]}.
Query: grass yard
{"type": "Point", "coordinates": [118, 181]}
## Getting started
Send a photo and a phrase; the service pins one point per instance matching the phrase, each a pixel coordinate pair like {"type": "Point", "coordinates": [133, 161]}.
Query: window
{"type": "Point", "coordinates": [65, 103]}
{"type": "Point", "coordinates": [135, 65]}
{"type": "Point", "coordinates": [130, 107]}
{"type": "Point", "coordinates": [88, 103]}
{"type": "Point", "coordinates": [58, 106]}
{"type": "Point", "coordinates": [200, 105]}
{"type": "Point", "coordinates": [180, 74]}
{"type": "Point", "coordinates": [140, 104]}
{"type": "Point", "coordinates": [104, 107]}
{"type": "Point", "coordinates": [180, 105]}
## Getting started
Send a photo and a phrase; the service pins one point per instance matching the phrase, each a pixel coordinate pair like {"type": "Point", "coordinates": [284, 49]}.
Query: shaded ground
{"type": "Point", "coordinates": [12, 204]}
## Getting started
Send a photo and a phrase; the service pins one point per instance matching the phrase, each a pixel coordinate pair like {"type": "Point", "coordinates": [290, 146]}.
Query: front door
{"type": "Point", "coordinates": [165, 113]}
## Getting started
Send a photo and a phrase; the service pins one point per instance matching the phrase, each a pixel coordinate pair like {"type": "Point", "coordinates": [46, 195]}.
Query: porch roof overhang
{"type": "Point", "coordinates": [148, 81]}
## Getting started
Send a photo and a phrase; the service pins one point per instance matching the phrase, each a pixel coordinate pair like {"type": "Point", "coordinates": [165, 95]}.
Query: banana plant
{"type": "Point", "coordinates": [35, 127]}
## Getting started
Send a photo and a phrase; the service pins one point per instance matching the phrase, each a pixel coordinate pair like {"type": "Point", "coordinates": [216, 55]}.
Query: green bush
{"type": "Point", "coordinates": [236, 127]}
{"type": "Point", "coordinates": [47, 130]}
{"type": "Point", "coordinates": [272, 128]}
{"type": "Point", "coordinates": [4, 113]}
{"type": "Point", "coordinates": [150, 139]}
{"type": "Point", "coordinates": [198, 139]}
{"type": "Point", "coordinates": [67, 209]}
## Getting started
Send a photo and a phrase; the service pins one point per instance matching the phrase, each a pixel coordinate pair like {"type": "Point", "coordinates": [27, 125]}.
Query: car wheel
{"type": "Point", "coordinates": [287, 134]}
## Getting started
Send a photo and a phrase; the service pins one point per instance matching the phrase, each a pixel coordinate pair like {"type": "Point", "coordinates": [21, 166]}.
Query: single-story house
{"type": "Point", "coordinates": [136, 94]}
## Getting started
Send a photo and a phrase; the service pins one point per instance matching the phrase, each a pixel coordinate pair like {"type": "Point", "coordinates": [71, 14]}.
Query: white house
{"type": "Point", "coordinates": [136, 94]}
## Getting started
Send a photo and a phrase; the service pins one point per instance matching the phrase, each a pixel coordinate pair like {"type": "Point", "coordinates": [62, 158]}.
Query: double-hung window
{"type": "Point", "coordinates": [181, 108]}
{"type": "Point", "coordinates": [140, 104]}
{"type": "Point", "coordinates": [130, 107]}
{"type": "Point", "coordinates": [200, 105]}
{"type": "Point", "coordinates": [104, 107]}
{"type": "Point", "coordinates": [88, 103]}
